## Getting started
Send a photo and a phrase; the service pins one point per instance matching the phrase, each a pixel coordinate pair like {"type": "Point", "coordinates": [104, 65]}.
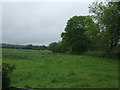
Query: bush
{"type": "Point", "coordinates": [6, 75]}
{"type": "Point", "coordinates": [55, 47]}
{"type": "Point", "coordinates": [103, 54]}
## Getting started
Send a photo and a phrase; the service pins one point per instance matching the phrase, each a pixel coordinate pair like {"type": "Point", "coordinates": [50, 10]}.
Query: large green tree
{"type": "Point", "coordinates": [107, 17]}
{"type": "Point", "coordinates": [74, 36]}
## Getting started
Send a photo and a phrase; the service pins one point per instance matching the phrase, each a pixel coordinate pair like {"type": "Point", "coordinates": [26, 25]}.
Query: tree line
{"type": "Point", "coordinates": [29, 46]}
{"type": "Point", "coordinates": [99, 31]}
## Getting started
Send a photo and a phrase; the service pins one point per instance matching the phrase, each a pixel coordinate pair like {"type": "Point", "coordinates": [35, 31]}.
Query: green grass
{"type": "Point", "coordinates": [44, 69]}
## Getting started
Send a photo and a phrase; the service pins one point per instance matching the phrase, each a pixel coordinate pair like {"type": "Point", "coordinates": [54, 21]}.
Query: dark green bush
{"type": "Point", "coordinates": [55, 47]}
{"type": "Point", "coordinates": [6, 75]}
{"type": "Point", "coordinates": [103, 54]}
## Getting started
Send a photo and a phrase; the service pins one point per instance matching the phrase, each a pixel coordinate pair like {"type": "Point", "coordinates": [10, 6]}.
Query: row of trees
{"type": "Point", "coordinates": [29, 46]}
{"type": "Point", "coordinates": [99, 31]}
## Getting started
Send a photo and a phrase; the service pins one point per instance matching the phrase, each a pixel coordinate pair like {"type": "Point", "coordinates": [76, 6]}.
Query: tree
{"type": "Point", "coordinates": [74, 36]}
{"type": "Point", "coordinates": [92, 32]}
{"type": "Point", "coordinates": [57, 47]}
{"type": "Point", "coordinates": [29, 46]}
{"type": "Point", "coordinates": [54, 47]}
{"type": "Point", "coordinates": [107, 17]}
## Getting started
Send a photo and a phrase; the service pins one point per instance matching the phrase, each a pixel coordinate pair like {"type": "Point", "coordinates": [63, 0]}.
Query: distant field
{"type": "Point", "coordinates": [44, 69]}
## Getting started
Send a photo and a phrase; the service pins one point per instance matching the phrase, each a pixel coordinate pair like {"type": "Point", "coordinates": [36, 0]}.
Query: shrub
{"type": "Point", "coordinates": [103, 54]}
{"type": "Point", "coordinates": [55, 47]}
{"type": "Point", "coordinates": [6, 75]}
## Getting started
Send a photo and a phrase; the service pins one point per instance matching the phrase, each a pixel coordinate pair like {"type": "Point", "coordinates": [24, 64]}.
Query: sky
{"type": "Point", "coordinates": [38, 23]}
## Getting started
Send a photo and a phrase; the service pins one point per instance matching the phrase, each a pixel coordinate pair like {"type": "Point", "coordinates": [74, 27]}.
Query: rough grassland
{"type": "Point", "coordinates": [44, 69]}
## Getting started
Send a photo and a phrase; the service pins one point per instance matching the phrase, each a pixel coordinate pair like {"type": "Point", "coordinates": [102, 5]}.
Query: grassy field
{"type": "Point", "coordinates": [44, 69]}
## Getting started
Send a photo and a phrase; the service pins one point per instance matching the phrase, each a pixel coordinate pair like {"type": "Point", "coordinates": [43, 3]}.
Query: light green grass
{"type": "Point", "coordinates": [44, 69]}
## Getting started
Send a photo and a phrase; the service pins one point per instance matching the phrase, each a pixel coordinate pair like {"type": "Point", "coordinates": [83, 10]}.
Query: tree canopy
{"type": "Point", "coordinates": [75, 36]}
{"type": "Point", "coordinates": [107, 17]}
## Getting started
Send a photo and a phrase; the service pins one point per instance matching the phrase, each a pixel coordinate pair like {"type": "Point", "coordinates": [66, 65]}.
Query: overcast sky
{"type": "Point", "coordinates": [38, 23]}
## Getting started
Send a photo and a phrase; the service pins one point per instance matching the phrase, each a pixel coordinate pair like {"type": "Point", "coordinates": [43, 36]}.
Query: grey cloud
{"type": "Point", "coordinates": [38, 23]}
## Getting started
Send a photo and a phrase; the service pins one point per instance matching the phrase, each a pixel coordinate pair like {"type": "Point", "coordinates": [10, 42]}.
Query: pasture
{"type": "Point", "coordinates": [44, 69]}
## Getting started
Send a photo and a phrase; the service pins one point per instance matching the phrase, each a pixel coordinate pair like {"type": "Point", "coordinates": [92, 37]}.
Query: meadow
{"type": "Point", "coordinates": [44, 69]}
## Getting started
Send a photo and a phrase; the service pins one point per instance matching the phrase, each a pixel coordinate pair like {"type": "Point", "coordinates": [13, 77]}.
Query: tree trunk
{"type": "Point", "coordinates": [109, 50]}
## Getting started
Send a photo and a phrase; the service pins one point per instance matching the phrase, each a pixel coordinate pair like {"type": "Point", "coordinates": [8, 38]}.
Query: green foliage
{"type": "Point", "coordinates": [75, 36]}
{"type": "Point", "coordinates": [97, 53]}
{"type": "Point", "coordinates": [54, 47]}
{"type": "Point", "coordinates": [29, 46]}
{"type": "Point", "coordinates": [6, 75]}
{"type": "Point", "coordinates": [107, 17]}
{"type": "Point", "coordinates": [44, 69]}
{"type": "Point", "coordinates": [57, 47]}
